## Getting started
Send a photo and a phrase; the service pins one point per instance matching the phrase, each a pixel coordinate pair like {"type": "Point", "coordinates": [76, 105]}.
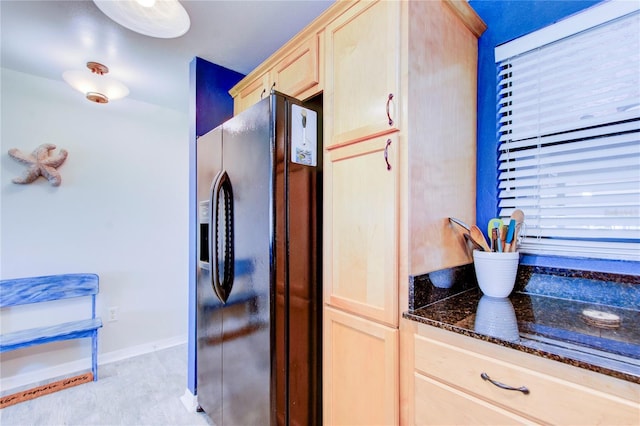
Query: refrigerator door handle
{"type": "Point", "coordinates": [221, 190]}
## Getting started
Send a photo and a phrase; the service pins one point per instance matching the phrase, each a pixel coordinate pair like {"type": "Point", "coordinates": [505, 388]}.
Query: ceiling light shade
{"type": "Point", "coordinates": [154, 18]}
{"type": "Point", "coordinates": [94, 84]}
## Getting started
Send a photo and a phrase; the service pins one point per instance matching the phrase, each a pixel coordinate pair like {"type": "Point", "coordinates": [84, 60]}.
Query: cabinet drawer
{"type": "Point", "coordinates": [550, 399]}
{"type": "Point", "coordinates": [436, 403]}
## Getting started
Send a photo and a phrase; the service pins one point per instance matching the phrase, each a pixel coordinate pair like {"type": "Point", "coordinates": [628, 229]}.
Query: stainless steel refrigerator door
{"type": "Point", "coordinates": [297, 186]}
{"type": "Point", "coordinates": [246, 351]}
{"type": "Point", "coordinates": [209, 307]}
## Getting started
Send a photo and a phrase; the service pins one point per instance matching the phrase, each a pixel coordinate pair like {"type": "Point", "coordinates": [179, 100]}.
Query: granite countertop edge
{"type": "Point", "coordinates": [419, 300]}
{"type": "Point", "coordinates": [544, 354]}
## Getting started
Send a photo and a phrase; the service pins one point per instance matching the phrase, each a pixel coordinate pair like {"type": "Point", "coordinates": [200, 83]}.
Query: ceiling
{"type": "Point", "coordinates": [45, 38]}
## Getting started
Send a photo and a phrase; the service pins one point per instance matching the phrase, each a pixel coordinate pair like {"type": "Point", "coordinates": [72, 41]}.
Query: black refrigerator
{"type": "Point", "coordinates": [259, 190]}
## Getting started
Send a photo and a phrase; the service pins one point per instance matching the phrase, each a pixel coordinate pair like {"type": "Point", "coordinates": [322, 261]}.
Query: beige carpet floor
{"type": "Point", "coordinates": [143, 390]}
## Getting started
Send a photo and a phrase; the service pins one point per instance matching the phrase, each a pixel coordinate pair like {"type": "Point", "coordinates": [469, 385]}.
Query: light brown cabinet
{"type": "Point", "coordinates": [296, 74]}
{"type": "Point", "coordinates": [448, 367]}
{"type": "Point", "coordinates": [251, 91]}
{"type": "Point", "coordinates": [361, 371]}
{"type": "Point", "coordinates": [363, 72]}
{"type": "Point", "coordinates": [361, 222]}
{"type": "Point", "coordinates": [296, 69]}
{"type": "Point", "coordinates": [404, 73]}
{"type": "Point", "coordinates": [361, 215]}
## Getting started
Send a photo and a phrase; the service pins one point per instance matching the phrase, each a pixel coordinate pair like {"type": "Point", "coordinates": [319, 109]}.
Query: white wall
{"type": "Point", "coordinates": [121, 212]}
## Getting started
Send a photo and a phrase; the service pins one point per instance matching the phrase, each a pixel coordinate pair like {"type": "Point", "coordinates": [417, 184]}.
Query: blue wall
{"type": "Point", "coordinates": [210, 84]}
{"type": "Point", "coordinates": [209, 106]}
{"type": "Point", "coordinates": [507, 20]}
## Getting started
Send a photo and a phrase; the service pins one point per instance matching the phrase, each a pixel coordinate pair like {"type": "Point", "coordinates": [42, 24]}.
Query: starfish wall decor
{"type": "Point", "coordinates": [41, 163]}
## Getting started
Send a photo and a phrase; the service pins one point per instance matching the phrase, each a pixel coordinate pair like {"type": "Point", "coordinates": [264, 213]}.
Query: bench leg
{"type": "Point", "coordinates": [94, 355]}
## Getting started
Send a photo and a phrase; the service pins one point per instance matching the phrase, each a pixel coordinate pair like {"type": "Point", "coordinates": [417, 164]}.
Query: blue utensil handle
{"type": "Point", "coordinates": [511, 231]}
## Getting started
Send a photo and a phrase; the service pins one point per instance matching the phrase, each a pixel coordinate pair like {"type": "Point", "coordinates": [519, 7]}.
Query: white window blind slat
{"type": "Point", "coordinates": [626, 93]}
{"type": "Point", "coordinates": [624, 223]}
{"type": "Point", "coordinates": [544, 78]}
{"type": "Point", "coordinates": [554, 115]}
{"type": "Point", "coordinates": [512, 133]}
{"type": "Point", "coordinates": [620, 127]}
{"type": "Point", "coordinates": [542, 148]}
{"type": "Point", "coordinates": [593, 249]}
{"type": "Point", "coordinates": [532, 159]}
{"type": "Point", "coordinates": [593, 189]}
{"type": "Point", "coordinates": [569, 140]}
{"type": "Point", "coordinates": [585, 166]}
{"type": "Point", "coordinates": [628, 174]}
{"type": "Point", "coordinates": [579, 212]}
{"type": "Point", "coordinates": [558, 203]}
{"type": "Point", "coordinates": [578, 233]}
{"type": "Point", "coordinates": [624, 96]}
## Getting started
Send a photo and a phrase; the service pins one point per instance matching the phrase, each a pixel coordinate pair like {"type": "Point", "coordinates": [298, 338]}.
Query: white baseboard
{"type": "Point", "coordinates": [37, 377]}
{"type": "Point", "coordinates": [190, 401]}
{"type": "Point", "coordinates": [145, 348]}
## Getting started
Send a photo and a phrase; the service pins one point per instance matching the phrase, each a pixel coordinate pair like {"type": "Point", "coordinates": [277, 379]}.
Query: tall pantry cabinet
{"type": "Point", "coordinates": [400, 157]}
{"type": "Point", "coordinates": [362, 191]}
{"type": "Point", "coordinates": [399, 110]}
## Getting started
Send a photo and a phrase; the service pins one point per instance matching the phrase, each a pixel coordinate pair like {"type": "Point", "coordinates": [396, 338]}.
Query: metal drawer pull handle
{"type": "Point", "coordinates": [389, 115]}
{"type": "Point", "coordinates": [386, 154]}
{"type": "Point", "coordinates": [522, 389]}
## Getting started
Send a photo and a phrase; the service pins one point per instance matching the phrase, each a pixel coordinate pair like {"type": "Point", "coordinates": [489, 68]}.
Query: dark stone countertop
{"type": "Point", "coordinates": [542, 316]}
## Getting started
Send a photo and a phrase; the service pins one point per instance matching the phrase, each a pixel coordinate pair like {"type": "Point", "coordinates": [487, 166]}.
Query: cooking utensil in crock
{"type": "Point", "coordinates": [476, 235]}
{"type": "Point", "coordinates": [475, 245]}
{"type": "Point", "coordinates": [496, 222]}
{"type": "Point", "coordinates": [459, 222]}
{"type": "Point", "coordinates": [517, 219]}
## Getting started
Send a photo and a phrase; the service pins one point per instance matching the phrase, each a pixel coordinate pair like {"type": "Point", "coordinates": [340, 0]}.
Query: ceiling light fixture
{"type": "Point", "coordinates": [95, 85]}
{"type": "Point", "coordinates": [154, 18]}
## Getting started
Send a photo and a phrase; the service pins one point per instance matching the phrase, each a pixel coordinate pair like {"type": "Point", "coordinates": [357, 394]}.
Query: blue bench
{"type": "Point", "coordinates": [23, 291]}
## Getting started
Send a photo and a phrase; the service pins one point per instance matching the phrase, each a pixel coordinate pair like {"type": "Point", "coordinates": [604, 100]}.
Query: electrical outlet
{"type": "Point", "coordinates": [113, 314]}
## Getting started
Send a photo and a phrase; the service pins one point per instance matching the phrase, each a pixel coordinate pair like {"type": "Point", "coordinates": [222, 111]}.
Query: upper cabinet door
{"type": "Point", "coordinates": [295, 70]}
{"type": "Point", "coordinates": [252, 93]}
{"type": "Point", "coordinates": [299, 71]}
{"type": "Point", "coordinates": [362, 72]}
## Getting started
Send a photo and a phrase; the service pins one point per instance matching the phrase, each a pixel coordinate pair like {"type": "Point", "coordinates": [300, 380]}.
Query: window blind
{"type": "Point", "coordinates": [569, 142]}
